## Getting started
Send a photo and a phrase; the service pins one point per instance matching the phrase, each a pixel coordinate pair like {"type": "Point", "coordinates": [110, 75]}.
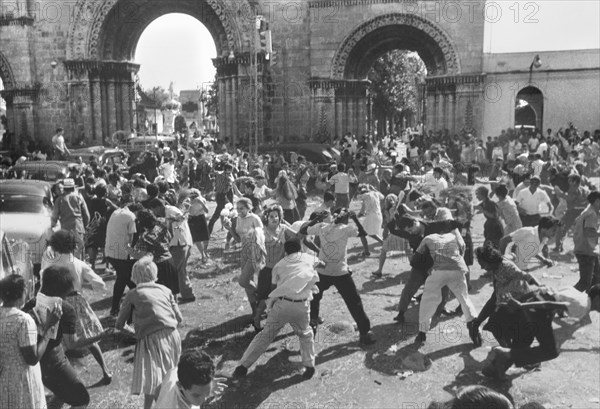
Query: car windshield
{"type": "Point", "coordinates": [21, 204]}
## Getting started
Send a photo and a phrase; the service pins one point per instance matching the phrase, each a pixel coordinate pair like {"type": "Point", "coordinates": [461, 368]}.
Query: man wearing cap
{"type": "Point", "coordinates": [529, 202]}
{"type": "Point", "coordinates": [72, 212]}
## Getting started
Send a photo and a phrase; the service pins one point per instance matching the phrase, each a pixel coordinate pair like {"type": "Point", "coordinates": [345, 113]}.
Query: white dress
{"type": "Point", "coordinates": [372, 209]}
{"type": "Point", "coordinates": [20, 384]}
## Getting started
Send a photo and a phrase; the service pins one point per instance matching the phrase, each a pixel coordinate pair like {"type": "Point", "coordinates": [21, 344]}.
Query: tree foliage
{"type": "Point", "coordinates": [158, 94]}
{"type": "Point", "coordinates": [190, 106]}
{"type": "Point", "coordinates": [394, 83]}
{"type": "Point", "coordinates": [211, 98]}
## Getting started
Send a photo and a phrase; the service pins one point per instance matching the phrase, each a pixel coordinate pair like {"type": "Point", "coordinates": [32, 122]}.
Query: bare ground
{"type": "Point", "coordinates": [389, 374]}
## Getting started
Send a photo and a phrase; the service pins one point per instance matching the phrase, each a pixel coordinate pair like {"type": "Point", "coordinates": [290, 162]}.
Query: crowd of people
{"type": "Point", "coordinates": [415, 194]}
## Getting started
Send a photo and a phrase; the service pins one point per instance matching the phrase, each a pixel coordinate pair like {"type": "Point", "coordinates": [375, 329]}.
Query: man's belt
{"type": "Point", "coordinates": [291, 300]}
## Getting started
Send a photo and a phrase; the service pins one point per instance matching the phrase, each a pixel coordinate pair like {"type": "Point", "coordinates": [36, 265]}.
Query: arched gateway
{"type": "Point", "coordinates": [79, 70]}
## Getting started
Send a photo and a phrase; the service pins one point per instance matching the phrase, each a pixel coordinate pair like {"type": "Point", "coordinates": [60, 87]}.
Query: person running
{"type": "Point", "coordinates": [248, 230]}
{"type": "Point", "coordinates": [286, 194]}
{"type": "Point", "coordinates": [198, 209]}
{"type": "Point", "coordinates": [60, 253]}
{"type": "Point", "coordinates": [155, 318]}
{"type": "Point", "coordinates": [371, 210]}
{"type": "Point", "coordinates": [576, 201]}
{"type": "Point", "coordinates": [294, 282]}
{"type": "Point", "coordinates": [333, 246]}
{"type": "Point", "coordinates": [492, 228]}
{"type": "Point", "coordinates": [341, 182]}
{"type": "Point", "coordinates": [530, 201]}
{"type": "Point", "coordinates": [529, 241]}
{"type": "Point", "coordinates": [507, 210]}
{"type": "Point", "coordinates": [276, 234]}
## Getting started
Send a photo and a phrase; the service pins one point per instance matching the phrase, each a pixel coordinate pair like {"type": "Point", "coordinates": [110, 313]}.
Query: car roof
{"type": "Point", "coordinates": [45, 164]}
{"type": "Point", "coordinates": [25, 187]}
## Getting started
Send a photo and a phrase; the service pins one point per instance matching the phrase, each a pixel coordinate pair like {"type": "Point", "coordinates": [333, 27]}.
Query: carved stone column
{"type": "Point", "coordinates": [96, 108]}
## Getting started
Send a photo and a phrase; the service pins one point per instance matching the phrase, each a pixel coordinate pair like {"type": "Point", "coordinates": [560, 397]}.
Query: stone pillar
{"type": "Point", "coordinates": [339, 114]}
{"type": "Point", "coordinates": [453, 112]}
{"type": "Point", "coordinates": [361, 101]}
{"type": "Point", "coordinates": [234, 110]}
{"type": "Point", "coordinates": [96, 109]}
{"type": "Point", "coordinates": [112, 108]}
{"type": "Point", "coordinates": [127, 97]}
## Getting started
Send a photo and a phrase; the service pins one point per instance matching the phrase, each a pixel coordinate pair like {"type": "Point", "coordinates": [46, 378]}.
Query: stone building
{"type": "Point", "coordinates": [70, 64]}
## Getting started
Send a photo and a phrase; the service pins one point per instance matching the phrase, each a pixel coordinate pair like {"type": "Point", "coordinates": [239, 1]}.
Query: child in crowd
{"type": "Point", "coordinates": [190, 384]}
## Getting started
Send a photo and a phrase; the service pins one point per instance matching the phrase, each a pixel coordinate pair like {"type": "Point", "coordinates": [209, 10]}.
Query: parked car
{"type": "Point", "coordinates": [15, 259]}
{"type": "Point", "coordinates": [102, 155]}
{"type": "Point", "coordinates": [317, 153]}
{"type": "Point", "coordinates": [50, 171]}
{"type": "Point", "coordinates": [25, 213]}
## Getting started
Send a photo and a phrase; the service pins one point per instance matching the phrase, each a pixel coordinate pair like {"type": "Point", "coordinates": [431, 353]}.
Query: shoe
{"type": "Point", "coordinates": [308, 372]}
{"type": "Point", "coordinates": [420, 338]}
{"type": "Point", "coordinates": [376, 274]}
{"type": "Point", "coordinates": [399, 318]}
{"type": "Point", "coordinates": [314, 325]}
{"type": "Point", "coordinates": [114, 313]}
{"type": "Point", "coordinates": [417, 298]}
{"type": "Point", "coordinates": [240, 372]}
{"type": "Point", "coordinates": [458, 311]}
{"type": "Point", "coordinates": [320, 320]}
{"type": "Point", "coordinates": [366, 339]}
{"type": "Point", "coordinates": [187, 300]}
{"type": "Point", "coordinates": [257, 328]}
{"type": "Point", "coordinates": [365, 254]}
{"type": "Point", "coordinates": [107, 379]}
{"type": "Point", "coordinates": [474, 333]}
{"type": "Point", "coordinates": [444, 312]}
{"type": "Point", "coordinates": [557, 249]}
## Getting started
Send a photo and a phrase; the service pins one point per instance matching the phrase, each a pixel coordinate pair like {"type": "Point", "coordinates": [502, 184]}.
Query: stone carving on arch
{"type": "Point", "coordinates": [340, 59]}
{"type": "Point", "coordinates": [6, 73]}
{"type": "Point", "coordinates": [89, 16]}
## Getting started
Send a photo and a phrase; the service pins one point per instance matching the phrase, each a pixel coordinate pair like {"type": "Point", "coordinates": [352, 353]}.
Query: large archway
{"type": "Point", "coordinates": [101, 49]}
{"type": "Point", "coordinates": [372, 39]}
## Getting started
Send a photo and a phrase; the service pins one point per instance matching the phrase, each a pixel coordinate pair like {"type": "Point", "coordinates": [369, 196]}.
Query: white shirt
{"type": "Point", "coordinates": [294, 277]}
{"type": "Point", "coordinates": [537, 166]}
{"type": "Point", "coordinates": [180, 228]}
{"type": "Point", "coordinates": [341, 181]}
{"type": "Point", "coordinates": [527, 240]}
{"type": "Point", "coordinates": [168, 171]}
{"type": "Point", "coordinates": [334, 240]}
{"type": "Point", "coordinates": [445, 252]}
{"type": "Point", "coordinates": [530, 202]}
{"type": "Point", "coordinates": [120, 225]}
{"type": "Point", "coordinates": [170, 396]}
{"type": "Point", "coordinates": [440, 184]}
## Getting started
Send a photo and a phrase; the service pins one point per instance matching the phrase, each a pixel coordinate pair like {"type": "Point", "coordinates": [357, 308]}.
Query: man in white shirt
{"type": "Point", "coordinates": [167, 170]}
{"type": "Point", "coordinates": [341, 183]}
{"type": "Point", "coordinates": [440, 182]}
{"type": "Point", "coordinates": [119, 234]}
{"type": "Point", "coordinates": [537, 165]}
{"type": "Point", "coordinates": [334, 241]}
{"type": "Point", "coordinates": [58, 144]}
{"type": "Point", "coordinates": [529, 201]}
{"type": "Point", "coordinates": [293, 280]}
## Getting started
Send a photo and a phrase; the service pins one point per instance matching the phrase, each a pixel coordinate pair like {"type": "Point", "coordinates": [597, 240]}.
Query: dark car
{"type": "Point", "coordinates": [317, 153]}
{"type": "Point", "coordinates": [50, 171]}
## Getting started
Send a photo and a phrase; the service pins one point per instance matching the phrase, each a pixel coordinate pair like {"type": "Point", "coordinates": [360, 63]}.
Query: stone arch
{"type": "Point", "coordinates": [6, 73]}
{"type": "Point", "coordinates": [109, 29]}
{"type": "Point", "coordinates": [392, 31]}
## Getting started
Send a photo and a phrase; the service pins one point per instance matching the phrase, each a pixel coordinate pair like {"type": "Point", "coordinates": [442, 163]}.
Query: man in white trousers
{"type": "Point", "coordinates": [294, 280]}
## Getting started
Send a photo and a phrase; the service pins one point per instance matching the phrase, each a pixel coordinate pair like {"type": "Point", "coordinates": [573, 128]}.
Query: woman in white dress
{"type": "Point", "coordinates": [371, 209]}
{"type": "Point", "coordinates": [20, 351]}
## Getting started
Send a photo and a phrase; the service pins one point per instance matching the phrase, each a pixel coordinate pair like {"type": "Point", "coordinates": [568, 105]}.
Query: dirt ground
{"type": "Point", "coordinates": [389, 374]}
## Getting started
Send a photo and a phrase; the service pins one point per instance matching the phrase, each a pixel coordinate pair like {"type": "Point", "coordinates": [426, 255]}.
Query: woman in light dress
{"type": "Point", "coordinates": [60, 253]}
{"type": "Point", "coordinates": [20, 351]}
{"type": "Point", "coordinates": [371, 209]}
{"type": "Point", "coordinates": [249, 231]}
